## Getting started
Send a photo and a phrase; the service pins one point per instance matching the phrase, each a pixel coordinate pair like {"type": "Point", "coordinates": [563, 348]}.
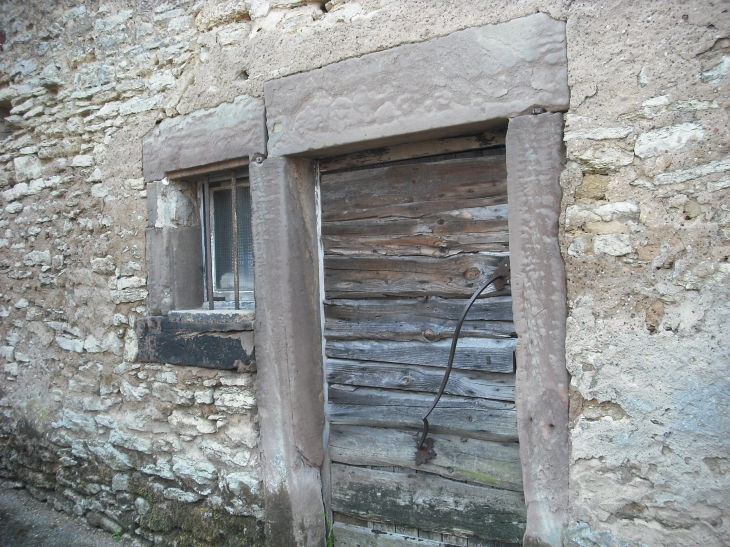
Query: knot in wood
{"type": "Point", "coordinates": [472, 273]}
{"type": "Point", "coordinates": [429, 335]}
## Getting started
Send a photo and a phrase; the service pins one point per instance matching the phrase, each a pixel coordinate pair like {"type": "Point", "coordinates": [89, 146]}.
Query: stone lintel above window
{"type": "Point", "coordinates": [227, 132]}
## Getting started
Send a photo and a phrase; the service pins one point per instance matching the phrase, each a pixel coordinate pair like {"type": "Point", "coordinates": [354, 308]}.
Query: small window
{"type": "Point", "coordinates": [227, 241]}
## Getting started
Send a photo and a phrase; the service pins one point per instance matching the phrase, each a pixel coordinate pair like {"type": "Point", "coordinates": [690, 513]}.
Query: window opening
{"type": "Point", "coordinates": [228, 261]}
{"type": "Point", "coordinates": [227, 239]}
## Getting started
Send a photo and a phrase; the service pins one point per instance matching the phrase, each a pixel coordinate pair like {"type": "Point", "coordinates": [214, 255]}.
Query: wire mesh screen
{"type": "Point", "coordinates": [223, 240]}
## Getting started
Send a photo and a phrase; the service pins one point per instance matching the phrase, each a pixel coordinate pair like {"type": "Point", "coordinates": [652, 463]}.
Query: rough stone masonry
{"type": "Point", "coordinates": [169, 455]}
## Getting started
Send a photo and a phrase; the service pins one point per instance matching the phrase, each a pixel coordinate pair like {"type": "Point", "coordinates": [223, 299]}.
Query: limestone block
{"type": "Point", "coordinates": [103, 265]}
{"type": "Point", "coordinates": [82, 161]}
{"type": "Point", "coordinates": [229, 131]}
{"type": "Point", "coordinates": [160, 468]}
{"type": "Point", "coordinates": [170, 394]}
{"type": "Point", "coordinates": [133, 393]}
{"type": "Point", "coordinates": [603, 158]}
{"type": "Point", "coordinates": [14, 208]}
{"type": "Point", "coordinates": [188, 425]}
{"type": "Point", "coordinates": [131, 442]}
{"type": "Point", "coordinates": [593, 187]}
{"type": "Point", "coordinates": [71, 344]}
{"type": "Point", "coordinates": [142, 506]}
{"type": "Point", "coordinates": [112, 457]}
{"type": "Point", "coordinates": [128, 295]}
{"type": "Point", "coordinates": [109, 23]}
{"type": "Point", "coordinates": [7, 352]}
{"type": "Point", "coordinates": [204, 397]}
{"type": "Point", "coordinates": [622, 210]}
{"type": "Point", "coordinates": [599, 134]}
{"type": "Point", "coordinates": [120, 481]}
{"type": "Point", "coordinates": [139, 104]}
{"type": "Point", "coordinates": [718, 73]}
{"type": "Point", "coordinates": [201, 472]}
{"type": "Point", "coordinates": [176, 494]}
{"type": "Point", "coordinates": [684, 175]}
{"type": "Point", "coordinates": [239, 483]}
{"type": "Point", "coordinates": [721, 184]}
{"type": "Point", "coordinates": [455, 82]}
{"type": "Point", "coordinates": [612, 244]}
{"type": "Point", "coordinates": [233, 400]}
{"type": "Point", "coordinates": [36, 258]}
{"type": "Point", "coordinates": [27, 168]}
{"type": "Point", "coordinates": [109, 342]}
{"type": "Point", "coordinates": [215, 14]}
{"type": "Point", "coordinates": [667, 139]}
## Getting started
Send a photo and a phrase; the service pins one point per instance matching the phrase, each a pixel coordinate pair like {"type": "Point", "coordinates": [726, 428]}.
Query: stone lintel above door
{"type": "Point", "coordinates": [454, 84]}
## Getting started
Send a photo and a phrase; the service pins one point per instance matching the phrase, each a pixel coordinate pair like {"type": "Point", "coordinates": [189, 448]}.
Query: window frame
{"type": "Point", "coordinates": [217, 178]}
{"type": "Point", "coordinates": [221, 296]}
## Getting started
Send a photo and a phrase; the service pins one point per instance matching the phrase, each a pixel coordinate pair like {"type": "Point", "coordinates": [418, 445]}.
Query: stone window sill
{"type": "Point", "coordinates": [220, 339]}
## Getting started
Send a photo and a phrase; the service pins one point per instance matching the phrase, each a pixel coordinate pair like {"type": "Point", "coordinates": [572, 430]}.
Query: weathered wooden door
{"type": "Point", "coordinates": [406, 243]}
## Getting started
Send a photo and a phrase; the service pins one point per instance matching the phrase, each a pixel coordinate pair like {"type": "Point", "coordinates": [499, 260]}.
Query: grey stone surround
{"type": "Point", "coordinates": [464, 82]}
{"type": "Point", "coordinates": [535, 159]}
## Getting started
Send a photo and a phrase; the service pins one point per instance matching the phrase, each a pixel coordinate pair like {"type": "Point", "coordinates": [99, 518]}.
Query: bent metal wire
{"type": "Point", "coordinates": [500, 278]}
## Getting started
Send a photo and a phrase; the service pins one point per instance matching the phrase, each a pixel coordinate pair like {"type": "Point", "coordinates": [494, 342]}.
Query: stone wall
{"type": "Point", "coordinates": [646, 241]}
{"type": "Point", "coordinates": [165, 453]}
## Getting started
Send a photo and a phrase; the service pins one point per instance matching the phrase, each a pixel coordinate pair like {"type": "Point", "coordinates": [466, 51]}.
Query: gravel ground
{"type": "Point", "coordinates": [27, 522]}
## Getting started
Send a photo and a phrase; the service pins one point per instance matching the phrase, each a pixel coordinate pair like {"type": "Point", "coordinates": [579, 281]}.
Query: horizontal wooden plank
{"type": "Point", "coordinates": [464, 178]}
{"type": "Point", "coordinates": [423, 319]}
{"type": "Point", "coordinates": [443, 234]}
{"type": "Point", "coordinates": [398, 190]}
{"type": "Point", "coordinates": [460, 416]}
{"type": "Point", "coordinates": [487, 463]}
{"type": "Point", "coordinates": [488, 385]}
{"type": "Point", "coordinates": [347, 535]}
{"type": "Point", "coordinates": [476, 220]}
{"type": "Point", "coordinates": [413, 150]}
{"type": "Point", "coordinates": [432, 246]}
{"type": "Point", "coordinates": [414, 209]}
{"type": "Point", "coordinates": [483, 354]}
{"type": "Point", "coordinates": [429, 502]}
{"type": "Point", "coordinates": [373, 277]}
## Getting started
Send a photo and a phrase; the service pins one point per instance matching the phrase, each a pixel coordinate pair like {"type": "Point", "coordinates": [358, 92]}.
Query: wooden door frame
{"type": "Point", "coordinates": [300, 120]}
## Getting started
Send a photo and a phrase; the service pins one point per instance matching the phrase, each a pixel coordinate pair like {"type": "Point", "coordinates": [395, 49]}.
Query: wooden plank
{"type": "Point", "coordinates": [372, 277]}
{"type": "Point", "coordinates": [488, 385]}
{"type": "Point", "coordinates": [433, 246]}
{"type": "Point", "coordinates": [459, 416]}
{"type": "Point", "coordinates": [412, 150]}
{"type": "Point", "coordinates": [483, 354]}
{"type": "Point", "coordinates": [415, 209]}
{"type": "Point", "coordinates": [481, 462]}
{"type": "Point", "coordinates": [422, 319]}
{"type": "Point", "coordinates": [347, 535]}
{"type": "Point", "coordinates": [472, 220]}
{"type": "Point", "coordinates": [429, 502]}
{"type": "Point", "coordinates": [445, 233]}
{"type": "Point", "coordinates": [398, 190]}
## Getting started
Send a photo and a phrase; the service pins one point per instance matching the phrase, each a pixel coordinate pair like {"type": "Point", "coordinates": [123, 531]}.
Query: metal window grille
{"type": "Point", "coordinates": [228, 243]}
